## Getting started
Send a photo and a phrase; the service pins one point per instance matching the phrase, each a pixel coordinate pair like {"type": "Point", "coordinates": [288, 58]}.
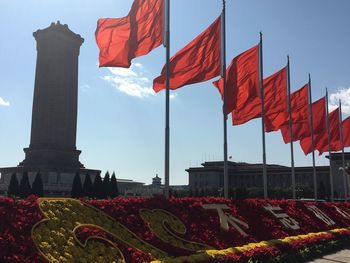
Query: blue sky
{"type": "Point", "coordinates": [120, 119]}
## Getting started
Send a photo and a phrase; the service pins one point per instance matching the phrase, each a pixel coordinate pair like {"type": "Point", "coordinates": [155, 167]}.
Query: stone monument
{"type": "Point", "coordinates": [52, 149]}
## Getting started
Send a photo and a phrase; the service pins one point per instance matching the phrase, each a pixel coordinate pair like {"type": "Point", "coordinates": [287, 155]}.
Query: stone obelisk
{"type": "Point", "coordinates": [54, 115]}
{"type": "Point", "coordinates": [52, 149]}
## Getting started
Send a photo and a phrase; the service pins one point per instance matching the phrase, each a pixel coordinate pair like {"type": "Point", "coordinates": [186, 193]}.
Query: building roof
{"type": "Point", "coordinates": [157, 177]}
{"type": "Point", "coordinates": [128, 181]}
{"type": "Point", "coordinates": [239, 167]}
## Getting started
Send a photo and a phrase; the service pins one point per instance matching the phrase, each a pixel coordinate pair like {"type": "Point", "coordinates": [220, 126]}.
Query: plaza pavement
{"type": "Point", "coordinates": [342, 256]}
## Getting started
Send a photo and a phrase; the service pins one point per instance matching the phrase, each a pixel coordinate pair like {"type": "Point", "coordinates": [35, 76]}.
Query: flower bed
{"type": "Point", "coordinates": [173, 230]}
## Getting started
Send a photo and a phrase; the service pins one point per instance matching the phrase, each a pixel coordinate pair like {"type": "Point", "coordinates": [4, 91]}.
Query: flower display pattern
{"type": "Point", "coordinates": [166, 230]}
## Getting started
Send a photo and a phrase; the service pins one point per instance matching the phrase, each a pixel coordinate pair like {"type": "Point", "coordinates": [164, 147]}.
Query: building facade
{"type": "Point", "coordinates": [129, 187]}
{"type": "Point", "coordinates": [244, 175]}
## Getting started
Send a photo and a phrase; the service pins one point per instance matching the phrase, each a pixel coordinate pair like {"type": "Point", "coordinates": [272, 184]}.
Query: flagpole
{"type": "Point", "coordinates": [290, 128]}
{"type": "Point", "coordinates": [342, 150]}
{"type": "Point", "coordinates": [311, 125]}
{"type": "Point", "coordinates": [167, 96]}
{"type": "Point", "coordinates": [223, 75]}
{"type": "Point", "coordinates": [261, 86]}
{"type": "Point", "coordinates": [329, 148]}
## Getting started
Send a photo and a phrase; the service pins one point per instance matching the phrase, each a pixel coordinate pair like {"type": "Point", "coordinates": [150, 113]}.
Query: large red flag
{"type": "Point", "coordinates": [242, 83]}
{"type": "Point", "coordinates": [319, 124]}
{"type": "Point", "coordinates": [275, 103]}
{"type": "Point", "coordinates": [321, 140]}
{"type": "Point", "coordinates": [275, 100]}
{"type": "Point", "coordinates": [300, 115]}
{"type": "Point", "coordinates": [346, 132]}
{"type": "Point", "coordinates": [122, 39]}
{"type": "Point", "coordinates": [337, 144]}
{"type": "Point", "coordinates": [198, 61]}
{"type": "Point", "coordinates": [319, 115]}
{"type": "Point", "coordinates": [247, 112]}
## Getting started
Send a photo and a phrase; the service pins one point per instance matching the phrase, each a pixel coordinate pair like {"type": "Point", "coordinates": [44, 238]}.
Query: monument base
{"type": "Point", "coordinates": [51, 157]}
{"type": "Point", "coordinates": [57, 181]}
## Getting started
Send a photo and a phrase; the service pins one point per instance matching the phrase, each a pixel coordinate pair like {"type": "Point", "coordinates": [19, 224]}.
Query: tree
{"type": "Point", "coordinates": [106, 186]}
{"type": "Point", "coordinates": [98, 187]}
{"type": "Point", "coordinates": [37, 187]}
{"type": "Point", "coordinates": [77, 189]}
{"type": "Point", "coordinates": [114, 192]}
{"type": "Point", "coordinates": [13, 189]}
{"type": "Point", "coordinates": [87, 187]}
{"type": "Point", "coordinates": [24, 186]}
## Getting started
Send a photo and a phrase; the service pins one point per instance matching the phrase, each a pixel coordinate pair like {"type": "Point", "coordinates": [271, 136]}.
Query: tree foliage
{"type": "Point", "coordinates": [13, 188]}
{"type": "Point", "coordinates": [106, 186]}
{"type": "Point", "coordinates": [87, 187]}
{"type": "Point", "coordinates": [24, 186]}
{"type": "Point", "coordinates": [77, 188]}
{"type": "Point", "coordinates": [98, 187]}
{"type": "Point", "coordinates": [114, 192]}
{"type": "Point", "coordinates": [38, 187]}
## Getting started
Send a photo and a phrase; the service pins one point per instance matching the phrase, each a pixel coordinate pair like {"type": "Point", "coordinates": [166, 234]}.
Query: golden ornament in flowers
{"type": "Point", "coordinates": [164, 224]}
{"type": "Point", "coordinates": [55, 235]}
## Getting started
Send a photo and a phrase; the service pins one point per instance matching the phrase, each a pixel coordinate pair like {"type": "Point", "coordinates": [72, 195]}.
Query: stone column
{"type": "Point", "coordinates": [54, 114]}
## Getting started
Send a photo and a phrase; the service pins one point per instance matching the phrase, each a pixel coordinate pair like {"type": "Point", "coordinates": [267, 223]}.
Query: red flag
{"type": "Point", "coordinates": [346, 132]}
{"type": "Point", "coordinates": [275, 103]}
{"type": "Point", "coordinates": [275, 100]}
{"type": "Point", "coordinates": [337, 145]}
{"type": "Point", "coordinates": [242, 81]}
{"type": "Point", "coordinates": [319, 115]}
{"type": "Point", "coordinates": [321, 140]}
{"type": "Point", "coordinates": [319, 124]}
{"type": "Point", "coordinates": [198, 61]}
{"type": "Point", "coordinates": [247, 112]}
{"type": "Point", "coordinates": [122, 39]}
{"type": "Point", "coordinates": [300, 115]}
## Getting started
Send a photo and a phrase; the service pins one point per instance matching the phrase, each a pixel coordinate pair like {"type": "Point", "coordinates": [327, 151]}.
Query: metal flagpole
{"type": "Point", "coordinates": [223, 75]}
{"type": "Point", "coordinates": [311, 125]}
{"type": "Point", "coordinates": [290, 128]}
{"type": "Point", "coordinates": [167, 95]}
{"type": "Point", "coordinates": [329, 148]}
{"type": "Point", "coordinates": [342, 150]}
{"type": "Point", "coordinates": [261, 86]}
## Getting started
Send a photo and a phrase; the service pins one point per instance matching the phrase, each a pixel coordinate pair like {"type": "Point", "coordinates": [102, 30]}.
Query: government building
{"type": "Point", "coordinates": [209, 178]}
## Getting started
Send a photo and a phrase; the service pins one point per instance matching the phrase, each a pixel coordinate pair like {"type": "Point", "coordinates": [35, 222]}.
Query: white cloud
{"type": "Point", "coordinates": [144, 79]}
{"type": "Point", "coordinates": [138, 65]}
{"type": "Point", "coordinates": [342, 94]}
{"type": "Point", "coordinates": [123, 72]}
{"type": "Point", "coordinates": [130, 81]}
{"type": "Point", "coordinates": [4, 102]}
{"type": "Point", "coordinates": [173, 96]}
